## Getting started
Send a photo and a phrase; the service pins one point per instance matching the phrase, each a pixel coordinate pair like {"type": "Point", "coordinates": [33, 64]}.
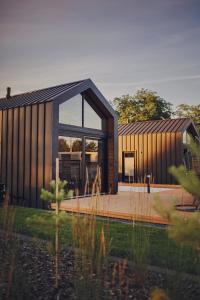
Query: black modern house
{"type": "Point", "coordinates": [71, 121]}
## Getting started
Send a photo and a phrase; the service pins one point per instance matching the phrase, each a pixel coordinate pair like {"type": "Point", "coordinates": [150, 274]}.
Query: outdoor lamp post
{"type": "Point", "coordinates": [148, 183]}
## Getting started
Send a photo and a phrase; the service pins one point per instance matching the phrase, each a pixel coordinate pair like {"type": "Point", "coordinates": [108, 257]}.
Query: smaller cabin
{"type": "Point", "coordinates": [151, 147]}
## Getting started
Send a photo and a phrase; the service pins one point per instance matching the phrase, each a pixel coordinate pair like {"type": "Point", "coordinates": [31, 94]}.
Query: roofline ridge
{"type": "Point", "coordinates": [43, 89]}
{"type": "Point", "coordinates": [163, 120]}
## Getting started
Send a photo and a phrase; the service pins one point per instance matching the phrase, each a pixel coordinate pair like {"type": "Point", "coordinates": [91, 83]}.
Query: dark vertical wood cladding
{"type": "Point", "coordinates": [21, 154]}
{"type": "Point", "coordinates": [40, 149]}
{"type": "Point", "coordinates": [1, 113]}
{"type": "Point", "coordinates": [48, 143]}
{"type": "Point", "coordinates": [26, 152]}
{"type": "Point", "coordinates": [4, 146]}
{"type": "Point", "coordinates": [110, 156]}
{"type": "Point", "coordinates": [10, 151]}
{"type": "Point", "coordinates": [168, 156]}
{"type": "Point", "coordinates": [27, 155]}
{"type": "Point", "coordinates": [154, 158]}
{"type": "Point", "coordinates": [34, 146]}
{"type": "Point", "coordinates": [156, 152]}
{"type": "Point", "coordinates": [159, 157]}
{"type": "Point", "coordinates": [15, 163]}
{"type": "Point", "coordinates": [164, 160]}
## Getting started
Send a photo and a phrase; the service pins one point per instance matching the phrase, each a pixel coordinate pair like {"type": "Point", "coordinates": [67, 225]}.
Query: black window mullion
{"type": "Point", "coordinates": [83, 164]}
{"type": "Point", "coordinates": [82, 111]}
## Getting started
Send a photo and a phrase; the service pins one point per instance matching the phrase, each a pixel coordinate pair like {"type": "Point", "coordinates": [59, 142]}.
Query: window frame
{"type": "Point", "coordinates": [83, 138]}
{"type": "Point", "coordinates": [82, 127]}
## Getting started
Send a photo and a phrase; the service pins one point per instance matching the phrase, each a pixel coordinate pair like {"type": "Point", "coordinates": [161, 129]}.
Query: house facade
{"type": "Point", "coordinates": [151, 147]}
{"type": "Point", "coordinates": [72, 121]}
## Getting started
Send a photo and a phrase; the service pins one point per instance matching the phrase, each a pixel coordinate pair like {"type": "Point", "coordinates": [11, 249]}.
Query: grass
{"type": "Point", "coordinates": [149, 243]}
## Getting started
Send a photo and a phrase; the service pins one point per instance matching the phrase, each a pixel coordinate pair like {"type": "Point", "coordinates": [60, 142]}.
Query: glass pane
{"type": "Point", "coordinates": [70, 112]}
{"type": "Point", "coordinates": [91, 118]}
{"type": "Point", "coordinates": [186, 138]}
{"type": "Point", "coordinates": [129, 165]}
{"type": "Point", "coordinates": [70, 156]}
{"type": "Point", "coordinates": [93, 166]}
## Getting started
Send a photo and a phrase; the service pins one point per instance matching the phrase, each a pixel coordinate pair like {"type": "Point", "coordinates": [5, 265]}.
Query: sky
{"type": "Point", "coordinates": [122, 45]}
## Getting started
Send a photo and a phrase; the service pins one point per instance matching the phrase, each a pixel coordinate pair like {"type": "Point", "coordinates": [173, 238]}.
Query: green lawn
{"type": "Point", "coordinates": [139, 243]}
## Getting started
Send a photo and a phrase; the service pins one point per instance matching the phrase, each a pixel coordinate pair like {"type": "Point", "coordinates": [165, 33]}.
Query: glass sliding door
{"type": "Point", "coordinates": [93, 166]}
{"type": "Point", "coordinates": [82, 164]}
{"type": "Point", "coordinates": [70, 157]}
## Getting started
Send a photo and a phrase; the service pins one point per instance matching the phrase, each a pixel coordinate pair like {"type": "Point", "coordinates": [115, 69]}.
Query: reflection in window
{"type": "Point", "coordinates": [186, 138]}
{"type": "Point", "coordinates": [187, 159]}
{"type": "Point", "coordinates": [70, 157]}
{"type": "Point", "coordinates": [91, 118]}
{"type": "Point", "coordinates": [70, 112]}
{"type": "Point", "coordinates": [93, 166]}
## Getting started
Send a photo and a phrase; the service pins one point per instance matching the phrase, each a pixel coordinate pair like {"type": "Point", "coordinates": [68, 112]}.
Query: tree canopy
{"type": "Point", "coordinates": [144, 105]}
{"type": "Point", "coordinates": [189, 111]}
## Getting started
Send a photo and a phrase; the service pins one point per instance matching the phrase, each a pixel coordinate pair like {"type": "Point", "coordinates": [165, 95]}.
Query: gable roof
{"type": "Point", "coordinates": [38, 96]}
{"type": "Point", "coordinates": [60, 94]}
{"type": "Point", "coordinates": [155, 126]}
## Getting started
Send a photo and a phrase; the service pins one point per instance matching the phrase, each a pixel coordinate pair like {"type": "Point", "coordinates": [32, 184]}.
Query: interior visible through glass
{"type": "Point", "coordinates": [81, 167]}
{"type": "Point", "coordinates": [129, 166]}
{"type": "Point", "coordinates": [70, 157]}
{"type": "Point", "coordinates": [93, 166]}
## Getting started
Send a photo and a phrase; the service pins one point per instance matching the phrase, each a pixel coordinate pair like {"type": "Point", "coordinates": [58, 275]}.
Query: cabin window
{"type": "Point", "coordinates": [70, 112]}
{"type": "Point", "coordinates": [81, 164]}
{"type": "Point", "coordinates": [91, 118]}
{"type": "Point", "coordinates": [78, 112]}
{"type": "Point", "coordinates": [93, 166]}
{"type": "Point", "coordinates": [128, 166]}
{"type": "Point", "coordinates": [70, 158]}
{"type": "Point", "coordinates": [186, 138]}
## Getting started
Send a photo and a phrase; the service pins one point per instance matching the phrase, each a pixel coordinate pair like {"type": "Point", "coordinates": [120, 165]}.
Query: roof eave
{"type": "Point", "coordinates": [187, 125]}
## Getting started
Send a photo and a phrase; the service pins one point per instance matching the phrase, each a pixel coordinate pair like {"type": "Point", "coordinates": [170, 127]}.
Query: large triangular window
{"type": "Point", "coordinates": [70, 112]}
{"type": "Point", "coordinates": [78, 112]}
{"type": "Point", "coordinates": [91, 118]}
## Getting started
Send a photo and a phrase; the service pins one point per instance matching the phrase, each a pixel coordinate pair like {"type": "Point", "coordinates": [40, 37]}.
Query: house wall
{"type": "Point", "coordinates": [26, 152]}
{"type": "Point", "coordinates": [155, 153]}
{"type": "Point", "coordinates": [112, 156]}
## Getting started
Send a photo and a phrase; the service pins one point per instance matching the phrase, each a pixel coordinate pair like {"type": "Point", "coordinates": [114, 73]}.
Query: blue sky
{"type": "Point", "coordinates": [122, 45]}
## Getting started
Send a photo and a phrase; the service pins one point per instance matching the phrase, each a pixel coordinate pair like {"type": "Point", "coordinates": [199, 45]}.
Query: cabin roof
{"type": "Point", "coordinates": [60, 94]}
{"type": "Point", "coordinates": [38, 96]}
{"type": "Point", "coordinates": [157, 126]}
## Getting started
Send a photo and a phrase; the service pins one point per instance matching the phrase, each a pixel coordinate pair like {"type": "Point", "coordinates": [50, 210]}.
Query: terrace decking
{"type": "Point", "coordinates": [128, 205]}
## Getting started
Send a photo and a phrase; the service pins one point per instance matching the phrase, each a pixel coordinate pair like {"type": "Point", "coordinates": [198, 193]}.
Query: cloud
{"type": "Point", "coordinates": [154, 81]}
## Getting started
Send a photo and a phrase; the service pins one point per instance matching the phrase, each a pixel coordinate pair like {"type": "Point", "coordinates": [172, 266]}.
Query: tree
{"type": "Point", "coordinates": [184, 230]}
{"type": "Point", "coordinates": [144, 105]}
{"type": "Point", "coordinates": [189, 111]}
{"type": "Point", "coordinates": [56, 195]}
{"type": "Point", "coordinates": [77, 146]}
{"type": "Point", "coordinates": [91, 147]}
{"type": "Point", "coordinates": [63, 146]}
{"type": "Point", "coordinates": [189, 180]}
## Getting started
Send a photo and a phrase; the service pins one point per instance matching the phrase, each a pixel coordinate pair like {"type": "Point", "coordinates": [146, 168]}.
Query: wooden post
{"type": "Point", "coordinates": [57, 181]}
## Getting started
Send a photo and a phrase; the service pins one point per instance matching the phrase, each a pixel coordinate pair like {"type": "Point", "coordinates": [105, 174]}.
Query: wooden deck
{"type": "Point", "coordinates": [127, 205]}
